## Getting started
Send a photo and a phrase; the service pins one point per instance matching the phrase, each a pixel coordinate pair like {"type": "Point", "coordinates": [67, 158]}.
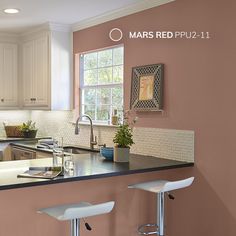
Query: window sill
{"type": "Point", "coordinates": [96, 124]}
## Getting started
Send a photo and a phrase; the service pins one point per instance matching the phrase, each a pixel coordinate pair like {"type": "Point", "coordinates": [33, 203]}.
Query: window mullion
{"type": "Point", "coordinates": [81, 71]}
{"type": "Point", "coordinates": [103, 86]}
{"type": "Point", "coordinates": [111, 90]}
{"type": "Point", "coordinates": [111, 102]}
{"type": "Point", "coordinates": [96, 102]}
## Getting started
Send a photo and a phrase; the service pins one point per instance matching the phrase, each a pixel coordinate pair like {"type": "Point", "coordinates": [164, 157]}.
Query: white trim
{"type": "Point", "coordinates": [99, 124]}
{"type": "Point", "coordinates": [95, 124]}
{"type": "Point", "coordinates": [124, 11]}
{"type": "Point", "coordinates": [8, 38]}
{"type": "Point", "coordinates": [41, 28]}
{"type": "Point", "coordinates": [3, 34]}
{"type": "Point", "coordinates": [49, 26]}
{"type": "Point", "coordinates": [100, 49]}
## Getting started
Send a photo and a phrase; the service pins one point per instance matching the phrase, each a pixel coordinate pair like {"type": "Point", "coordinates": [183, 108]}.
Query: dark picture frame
{"type": "Point", "coordinates": [147, 88]}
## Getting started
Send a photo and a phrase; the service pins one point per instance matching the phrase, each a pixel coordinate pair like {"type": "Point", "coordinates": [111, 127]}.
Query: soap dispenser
{"type": "Point", "coordinates": [114, 118]}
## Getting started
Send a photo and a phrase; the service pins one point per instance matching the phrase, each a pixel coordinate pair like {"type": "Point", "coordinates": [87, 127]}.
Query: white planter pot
{"type": "Point", "coordinates": [121, 154]}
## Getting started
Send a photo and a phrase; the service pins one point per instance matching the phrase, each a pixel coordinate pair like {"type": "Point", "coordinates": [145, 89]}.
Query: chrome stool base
{"type": "Point", "coordinates": [75, 227]}
{"type": "Point", "coordinates": [141, 229]}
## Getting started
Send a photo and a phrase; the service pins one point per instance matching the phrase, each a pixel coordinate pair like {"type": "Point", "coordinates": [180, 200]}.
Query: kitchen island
{"type": "Point", "coordinates": [94, 180]}
{"type": "Point", "coordinates": [5, 142]}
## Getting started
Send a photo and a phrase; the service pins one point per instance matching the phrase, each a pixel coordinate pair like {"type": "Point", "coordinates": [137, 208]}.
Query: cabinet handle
{"type": "Point", "coordinates": [2, 100]}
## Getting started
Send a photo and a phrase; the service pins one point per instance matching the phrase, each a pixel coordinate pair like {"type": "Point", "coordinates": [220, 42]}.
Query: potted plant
{"type": "Point", "coordinates": [28, 129]}
{"type": "Point", "coordinates": [123, 140]}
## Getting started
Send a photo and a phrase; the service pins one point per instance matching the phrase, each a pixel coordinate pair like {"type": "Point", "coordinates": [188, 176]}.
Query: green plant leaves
{"type": "Point", "coordinates": [28, 126]}
{"type": "Point", "coordinates": [123, 137]}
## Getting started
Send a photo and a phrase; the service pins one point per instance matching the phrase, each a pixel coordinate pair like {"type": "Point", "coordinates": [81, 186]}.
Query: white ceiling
{"type": "Point", "coordinates": [37, 12]}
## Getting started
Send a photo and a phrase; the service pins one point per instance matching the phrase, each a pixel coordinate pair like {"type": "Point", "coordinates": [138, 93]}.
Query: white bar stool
{"type": "Point", "coordinates": [160, 187]}
{"type": "Point", "coordinates": [74, 212]}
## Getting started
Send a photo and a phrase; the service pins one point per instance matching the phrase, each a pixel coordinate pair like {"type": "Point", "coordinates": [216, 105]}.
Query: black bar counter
{"type": "Point", "coordinates": [87, 166]}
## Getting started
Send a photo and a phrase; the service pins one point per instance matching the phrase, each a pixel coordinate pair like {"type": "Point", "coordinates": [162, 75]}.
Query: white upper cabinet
{"type": "Point", "coordinates": [35, 74]}
{"type": "Point", "coordinates": [46, 70]}
{"type": "Point", "coordinates": [41, 67]}
{"type": "Point", "coordinates": [8, 76]}
{"type": "Point", "coordinates": [40, 75]}
{"type": "Point", "coordinates": [27, 72]}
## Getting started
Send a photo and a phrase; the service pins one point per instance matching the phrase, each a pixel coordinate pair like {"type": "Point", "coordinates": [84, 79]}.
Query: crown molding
{"type": "Point", "coordinates": [8, 34]}
{"type": "Point", "coordinates": [124, 11]}
{"type": "Point", "coordinates": [48, 26]}
{"type": "Point", "coordinates": [8, 37]}
{"type": "Point", "coordinates": [38, 29]}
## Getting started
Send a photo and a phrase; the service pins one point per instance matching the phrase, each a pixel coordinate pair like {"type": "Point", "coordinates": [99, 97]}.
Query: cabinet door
{"type": "Point", "coordinates": [8, 74]}
{"type": "Point", "coordinates": [36, 73]}
{"type": "Point", "coordinates": [1, 76]}
{"type": "Point", "coordinates": [41, 71]}
{"type": "Point", "coordinates": [28, 72]}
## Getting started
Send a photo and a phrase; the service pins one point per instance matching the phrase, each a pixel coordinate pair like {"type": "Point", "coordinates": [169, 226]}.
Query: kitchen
{"type": "Point", "coordinates": [194, 122]}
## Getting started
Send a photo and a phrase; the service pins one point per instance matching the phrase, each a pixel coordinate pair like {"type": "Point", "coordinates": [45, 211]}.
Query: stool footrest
{"type": "Point", "coordinates": [142, 231]}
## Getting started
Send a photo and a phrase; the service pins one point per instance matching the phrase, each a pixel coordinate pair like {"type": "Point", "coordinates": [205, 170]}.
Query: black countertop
{"type": "Point", "coordinates": [87, 166]}
{"type": "Point", "coordinates": [11, 139]}
{"type": "Point", "coordinates": [33, 145]}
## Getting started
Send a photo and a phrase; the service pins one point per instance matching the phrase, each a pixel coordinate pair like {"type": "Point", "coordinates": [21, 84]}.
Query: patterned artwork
{"type": "Point", "coordinates": [146, 87]}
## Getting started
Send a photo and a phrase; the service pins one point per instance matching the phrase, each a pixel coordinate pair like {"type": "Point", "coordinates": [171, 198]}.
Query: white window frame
{"type": "Point", "coordinates": [110, 85]}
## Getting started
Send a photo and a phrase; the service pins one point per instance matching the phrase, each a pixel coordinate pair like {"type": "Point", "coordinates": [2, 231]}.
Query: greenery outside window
{"type": "Point", "coordinates": [101, 83]}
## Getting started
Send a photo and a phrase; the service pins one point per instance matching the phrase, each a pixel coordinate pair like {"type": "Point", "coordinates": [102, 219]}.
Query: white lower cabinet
{"type": "Point", "coordinates": [8, 76]}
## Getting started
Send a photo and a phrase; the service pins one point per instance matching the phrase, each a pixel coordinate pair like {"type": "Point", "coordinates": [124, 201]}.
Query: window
{"type": "Point", "coordinates": [101, 83]}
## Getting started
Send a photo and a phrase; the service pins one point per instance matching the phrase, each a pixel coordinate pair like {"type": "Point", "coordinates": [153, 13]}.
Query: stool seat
{"type": "Point", "coordinates": [77, 211]}
{"type": "Point", "coordinates": [161, 186]}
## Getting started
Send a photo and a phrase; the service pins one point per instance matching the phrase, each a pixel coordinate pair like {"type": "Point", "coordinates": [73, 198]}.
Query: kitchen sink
{"type": "Point", "coordinates": [77, 150]}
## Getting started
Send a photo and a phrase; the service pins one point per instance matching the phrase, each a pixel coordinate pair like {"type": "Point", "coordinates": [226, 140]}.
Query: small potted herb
{"type": "Point", "coordinates": [28, 129]}
{"type": "Point", "coordinates": [123, 141]}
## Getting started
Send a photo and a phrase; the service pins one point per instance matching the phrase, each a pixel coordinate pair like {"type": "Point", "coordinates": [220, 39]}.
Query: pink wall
{"type": "Point", "coordinates": [199, 95]}
{"type": "Point", "coordinates": [19, 207]}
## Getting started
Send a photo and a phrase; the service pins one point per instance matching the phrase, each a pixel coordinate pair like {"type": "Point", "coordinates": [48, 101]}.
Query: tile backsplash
{"type": "Point", "coordinates": [164, 143]}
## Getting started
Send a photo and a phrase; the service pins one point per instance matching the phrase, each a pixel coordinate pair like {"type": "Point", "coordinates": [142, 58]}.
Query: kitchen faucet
{"type": "Point", "coordinates": [93, 141]}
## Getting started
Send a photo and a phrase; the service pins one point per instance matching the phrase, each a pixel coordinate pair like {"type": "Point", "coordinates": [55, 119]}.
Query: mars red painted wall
{"type": "Point", "coordinates": [199, 95]}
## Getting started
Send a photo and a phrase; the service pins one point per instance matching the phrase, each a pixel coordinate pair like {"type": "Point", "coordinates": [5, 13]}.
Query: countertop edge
{"type": "Point", "coordinates": [98, 176]}
{"type": "Point", "coordinates": [12, 139]}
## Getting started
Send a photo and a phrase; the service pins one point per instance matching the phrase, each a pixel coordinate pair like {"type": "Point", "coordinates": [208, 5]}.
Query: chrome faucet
{"type": "Point", "coordinates": [93, 140]}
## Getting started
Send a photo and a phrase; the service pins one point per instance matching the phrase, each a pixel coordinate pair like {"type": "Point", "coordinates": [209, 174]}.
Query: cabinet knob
{"type": "Point", "coordinates": [2, 99]}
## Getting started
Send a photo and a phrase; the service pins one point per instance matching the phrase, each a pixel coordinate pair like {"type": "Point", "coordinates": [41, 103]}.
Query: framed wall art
{"type": "Point", "coordinates": [147, 88]}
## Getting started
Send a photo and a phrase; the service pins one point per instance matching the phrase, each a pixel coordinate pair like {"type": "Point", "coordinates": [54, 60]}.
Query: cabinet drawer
{"type": "Point", "coordinates": [22, 154]}
{"type": "Point", "coordinates": [40, 155]}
